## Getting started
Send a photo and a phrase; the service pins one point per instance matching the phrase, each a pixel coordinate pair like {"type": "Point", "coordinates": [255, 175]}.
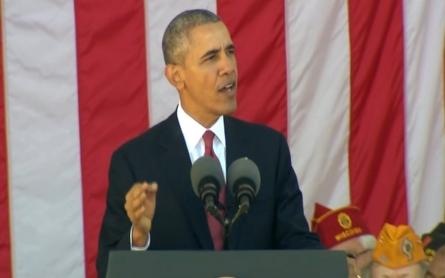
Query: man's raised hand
{"type": "Point", "coordinates": [140, 203]}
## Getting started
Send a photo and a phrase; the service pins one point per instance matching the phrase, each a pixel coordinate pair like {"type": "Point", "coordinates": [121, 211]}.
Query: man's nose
{"type": "Point", "coordinates": [227, 64]}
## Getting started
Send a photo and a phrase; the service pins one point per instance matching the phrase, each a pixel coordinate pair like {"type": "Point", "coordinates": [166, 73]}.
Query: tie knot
{"type": "Point", "coordinates": [208, 142]}
{"type": "Point", "coordinates": [208, 136]}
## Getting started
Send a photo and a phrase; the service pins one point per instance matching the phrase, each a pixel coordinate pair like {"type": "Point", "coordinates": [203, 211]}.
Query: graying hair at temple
{"type": "Point", "coordinates": [176, 36]}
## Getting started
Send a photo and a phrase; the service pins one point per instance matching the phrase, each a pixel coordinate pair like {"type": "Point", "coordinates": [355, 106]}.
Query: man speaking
{"type": "Point", "coordinates": [151, 204]}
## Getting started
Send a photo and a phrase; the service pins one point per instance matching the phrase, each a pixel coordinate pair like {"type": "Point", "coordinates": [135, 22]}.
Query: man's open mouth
{"type": "Point", "coordinates": [228, 88]}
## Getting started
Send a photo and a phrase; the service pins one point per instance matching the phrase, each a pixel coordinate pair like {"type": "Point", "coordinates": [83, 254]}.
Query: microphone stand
{"type": "Point", "coordinates": [228, 224]}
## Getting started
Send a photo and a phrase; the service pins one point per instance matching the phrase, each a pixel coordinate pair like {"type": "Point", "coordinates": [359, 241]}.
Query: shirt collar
{"type": "Point", "coordinates": [193, 131]}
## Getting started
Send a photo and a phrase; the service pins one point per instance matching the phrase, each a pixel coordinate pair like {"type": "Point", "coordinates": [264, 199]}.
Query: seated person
{"type": "Point", "coordinates": [398, 253]}
{"type": "Point", "coordinates": [344, 229]}
{"type": "Point", "coordinates": [434, 246]}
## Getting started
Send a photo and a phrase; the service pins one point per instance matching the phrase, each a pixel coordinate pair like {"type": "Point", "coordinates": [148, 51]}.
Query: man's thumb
{"type": "Point", "coordinates": [152, 188]}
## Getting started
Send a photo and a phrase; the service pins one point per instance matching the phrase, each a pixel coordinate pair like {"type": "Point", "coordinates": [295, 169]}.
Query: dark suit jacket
{"type": "Point", "coordinates": [275, 219]}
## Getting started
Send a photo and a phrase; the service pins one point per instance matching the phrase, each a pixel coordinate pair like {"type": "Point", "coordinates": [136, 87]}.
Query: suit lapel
{"type": "Point", "coordinates": [236, 147]}
{"type": "Point", "coordinates": [176, 163]}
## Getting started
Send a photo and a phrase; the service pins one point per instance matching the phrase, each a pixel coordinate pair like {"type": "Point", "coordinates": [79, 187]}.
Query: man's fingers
{"type": "Point", "coordinates": [133, 206]}
{"type": "Point", "coordinates": [135, 200]}
{"type": "Point", "coordinates": [138, 201]}
{"type": "Point", "coordinates": [138, 213]}
{"type": "Point", "coordinates": [144, 186]}
{"type": "Point", "coordinates": [133, 192]}
{"type": "Point", "coordinates": [152, 188]}
{"type": "Point", "coordinates": [134, 213]}
{"type": "Point", "coordinates": [136, 190]}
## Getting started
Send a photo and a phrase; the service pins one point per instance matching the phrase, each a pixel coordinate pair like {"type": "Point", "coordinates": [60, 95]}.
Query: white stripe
{"type": "Point", "coordinates": [43, 136]}
{"type": "Point", "coordinates": [163, 97]}
{"type": "Point", "coordinates": [424, 23]}
{"type": "Point", "coordinates": [318, 99]}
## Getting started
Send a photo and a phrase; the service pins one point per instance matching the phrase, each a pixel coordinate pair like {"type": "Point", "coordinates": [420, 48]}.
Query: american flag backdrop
{"type": "Point", "coordinates": [357, 86]}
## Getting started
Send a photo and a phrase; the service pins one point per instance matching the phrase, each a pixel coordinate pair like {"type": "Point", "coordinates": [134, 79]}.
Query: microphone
{"type": "Point", "coordinates": [244, 183]}
{"type": "Point", "coordinates": [207, 181]}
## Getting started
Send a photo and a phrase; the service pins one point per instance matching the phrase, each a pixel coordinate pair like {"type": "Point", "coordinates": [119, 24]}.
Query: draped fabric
{"type": "Point", "coordinates": [356, 86]}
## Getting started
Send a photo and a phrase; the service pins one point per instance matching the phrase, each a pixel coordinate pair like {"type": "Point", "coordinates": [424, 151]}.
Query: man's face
{"type": "Point", "coordinates": [354, 247]}
{"type": "Point", "coordinates": [209, 73]}
{"type": "Point", "coordinates": [411, 271]}
{"type": "Point", "coordinates": [437, 267]}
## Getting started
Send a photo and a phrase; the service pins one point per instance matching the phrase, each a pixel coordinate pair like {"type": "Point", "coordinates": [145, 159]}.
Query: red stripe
{"type": "Point", "coordinates": [377, 144]}
{"type": "Point", "coordinates": [113, 105]}
{"type": "Point", "coordinates": [258, 32]}
{"type": "Point", "coordinates": [5, 244]}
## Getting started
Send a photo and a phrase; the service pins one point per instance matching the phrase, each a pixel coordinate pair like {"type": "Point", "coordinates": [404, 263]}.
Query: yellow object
{"type": "Point", "coordinates": [398, 247]}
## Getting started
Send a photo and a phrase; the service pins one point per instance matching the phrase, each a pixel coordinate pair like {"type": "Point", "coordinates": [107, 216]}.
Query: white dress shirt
{"type": "Point", "coordinates": [193, 132]}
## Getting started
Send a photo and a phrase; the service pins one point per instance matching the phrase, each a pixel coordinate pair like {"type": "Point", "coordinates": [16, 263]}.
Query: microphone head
{"type": "Point", "coordinates": [206, 170]}
{"type": "Point", "coordinates": [243, 171]}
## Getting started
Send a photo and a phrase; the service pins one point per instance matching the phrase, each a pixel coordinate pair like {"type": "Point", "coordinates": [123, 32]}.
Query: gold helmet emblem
{"type": "Point", "coordinates": [407, 248]}
{"type": "Point", "coordinates": [344, 220]}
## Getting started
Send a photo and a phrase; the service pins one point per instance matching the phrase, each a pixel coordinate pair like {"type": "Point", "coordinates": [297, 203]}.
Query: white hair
{"type": "Point", "coordinates": [424, 265]}
{"type": "Point", "coordinates": [368, 241]}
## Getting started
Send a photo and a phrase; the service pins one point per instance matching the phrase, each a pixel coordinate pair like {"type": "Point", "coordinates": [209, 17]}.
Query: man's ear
{"type": "Point", "coordinates": [174, 76]}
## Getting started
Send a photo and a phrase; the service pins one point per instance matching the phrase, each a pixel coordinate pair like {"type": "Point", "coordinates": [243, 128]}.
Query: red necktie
{"type": "Point", "coordinates": [216, 229]}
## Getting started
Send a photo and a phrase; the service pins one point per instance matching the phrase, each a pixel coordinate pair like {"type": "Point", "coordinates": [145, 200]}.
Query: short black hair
{"type": "Point", "coordinates": [178, 31]}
